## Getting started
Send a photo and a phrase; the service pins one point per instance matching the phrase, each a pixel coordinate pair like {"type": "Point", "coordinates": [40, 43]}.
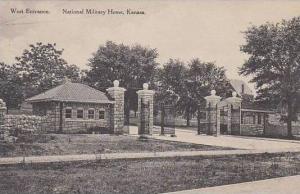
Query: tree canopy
{"type": "Point", "coordinates": [10, 86]}
{"type": "Point", "coordinates": [188, 84]}
{"type": "Point", "coordinates": [42, 67]}
{"type": "Point", "coordinates": [131, 65]}
{"type": "Point", "coordinates": [274, 63]}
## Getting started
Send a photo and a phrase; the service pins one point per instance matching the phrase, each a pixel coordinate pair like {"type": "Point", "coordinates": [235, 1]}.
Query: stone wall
{"type": "Point", "coordinates": [14, 125]}
{"type": "Point", "coordinates": [269, 125]}
{"type": "Point", "coordinates": [253, 122]}
{"type": "Point", "coordinates": [51, 111]}
{"type": "Point", "coordinates": [24, 123]}
{"type": "Point", "coordinates": [252, 130]}
{"type": "Point", "coordinates": [275, 127]}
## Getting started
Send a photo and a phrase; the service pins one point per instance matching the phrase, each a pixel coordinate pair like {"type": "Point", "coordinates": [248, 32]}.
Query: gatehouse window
{"type": "Point", "coordinates": [91, 114]}
{"type": "Point", "coordinates": [101, 114]}
{"type": "Point", "coordinates": [248, 118]}
{"type": "Point", "coordinates": [80, 113]}
{"type": "Point", "coordinates": [68, 113]}
{"type": "Point", "coordinates": [259, 118]}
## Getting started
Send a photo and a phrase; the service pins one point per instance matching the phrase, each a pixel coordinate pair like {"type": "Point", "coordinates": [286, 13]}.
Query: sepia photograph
{"type": "Point", "coordinates": [142, 97]}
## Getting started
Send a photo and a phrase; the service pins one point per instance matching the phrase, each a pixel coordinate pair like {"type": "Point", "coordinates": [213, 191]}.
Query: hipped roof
{"type": "Point", "coordinates": [71, 92]}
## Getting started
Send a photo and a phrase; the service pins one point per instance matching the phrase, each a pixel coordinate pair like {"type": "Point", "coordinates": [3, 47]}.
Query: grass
{"type": "Point", "coordinates": [145, 175]}
{"type": "Point", "coordinates": [61, 144]}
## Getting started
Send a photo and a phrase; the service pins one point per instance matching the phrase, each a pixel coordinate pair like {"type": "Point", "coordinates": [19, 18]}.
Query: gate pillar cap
{"type": "Point", "coordinates": [145, 90]}
{"type": "Point", "coordinates": [212, 99]}
{"type": "Point", "coordinates": [2, 104]}
{"type": "Point", "coordinates": [116, 83]}
{"type": "Point", "coordinates": [145, 86]}
{"type": "Point", "coordinates": [234, 94]}
{"type": "Point", "coordinates": [213, 92]}
{"type": "Point", "coordinates": [116, 87]}
{"type": "Point", "coordinates": [213, 96]}
{"type": "Point", "coordinates": [234, 100]}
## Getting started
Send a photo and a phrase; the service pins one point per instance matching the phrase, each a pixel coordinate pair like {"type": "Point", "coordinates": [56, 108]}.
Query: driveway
{"type": "Point", "coordinates": [270, 186]}
{"type": "Point", "coordinates": [237, 142]}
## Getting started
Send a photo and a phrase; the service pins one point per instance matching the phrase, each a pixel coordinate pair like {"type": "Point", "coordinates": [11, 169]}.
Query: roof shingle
{"type": "Point", "coordinates": [71, 92]}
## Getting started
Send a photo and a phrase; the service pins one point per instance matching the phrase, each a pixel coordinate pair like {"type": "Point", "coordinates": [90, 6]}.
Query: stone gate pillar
{"type": "Point", "coordinates": [2, 111]}
{"type": "Point", "coordinates": [145, 96]}
{"type": "Point", "coordinates": [2, 119]}
{"type": "Point", "coordinates": [234, 118]}
{"type": "Point", "coordinates": [213, 116]}
{"type": "Point", "coordinates": [117, 93]}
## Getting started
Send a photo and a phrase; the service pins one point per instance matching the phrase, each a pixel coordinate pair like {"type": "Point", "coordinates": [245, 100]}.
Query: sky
{"type": "Point", "coordinates": [208, 30]}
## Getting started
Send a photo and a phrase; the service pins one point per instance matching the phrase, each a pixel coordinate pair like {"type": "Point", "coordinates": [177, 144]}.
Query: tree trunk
{"type": "Point", "coordinates": [289, 118]}
{"type": "Point", "coordinates": [198, 119]}
{"type": "Point", "coordinates": [162, 121]}
{"type": "Point", "coordinates": [188, 117]}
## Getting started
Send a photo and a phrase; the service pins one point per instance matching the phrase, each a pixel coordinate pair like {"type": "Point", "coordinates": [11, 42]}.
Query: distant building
{"type": "Point", "coordinates": [26, 108]}
{"type": "Point", "coordinates": [240, 87]}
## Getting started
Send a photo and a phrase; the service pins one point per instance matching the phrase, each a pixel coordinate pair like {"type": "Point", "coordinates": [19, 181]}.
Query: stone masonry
{"type": "Point", "coordinates": [213, 124]}
{"type": "Point", "coordinates": [117, 93]}
{"type": "Point", "coordinates": [2, 111]}
{"type": "Point", "coordinates": [234, 120]}
{"type": "Point", "coordinates": [145, 96]}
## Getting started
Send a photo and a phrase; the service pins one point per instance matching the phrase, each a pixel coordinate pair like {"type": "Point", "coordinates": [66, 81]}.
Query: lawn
{"type": "Point", "coordinates": [60, 144]}
{"type": "Point", "coordinates": [145, 175]}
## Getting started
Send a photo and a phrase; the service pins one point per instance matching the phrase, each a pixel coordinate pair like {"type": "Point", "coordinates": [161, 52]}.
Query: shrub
{"type": "Point", "coordinates": [99, 130]}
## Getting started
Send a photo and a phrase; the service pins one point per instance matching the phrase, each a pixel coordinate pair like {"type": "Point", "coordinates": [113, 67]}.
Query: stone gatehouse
{"type": "Point", "coordinates": [73, 107]}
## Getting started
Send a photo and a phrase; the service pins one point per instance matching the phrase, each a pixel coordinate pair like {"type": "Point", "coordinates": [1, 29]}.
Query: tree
{"type": "Point", "coordinates": [10, 86]}
{"type": "Point", "coordinates": [274, 63]}
{"type": "Point", "coordinates": [171, 77]}
{"type": "Point", "coordinates": [191, 83]}
{"type": "Point", "coordinates": [42, 67]}
{"type": "Point", "coordinates": [170, 87]}
{"type": "Point", "coordinates": [202, 78]}
{"type": "Point", "coordinates": [131, 65]}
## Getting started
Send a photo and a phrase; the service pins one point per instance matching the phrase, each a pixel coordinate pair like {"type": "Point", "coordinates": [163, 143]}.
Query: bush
{"type": "Point", "coordinates": [99, 130]}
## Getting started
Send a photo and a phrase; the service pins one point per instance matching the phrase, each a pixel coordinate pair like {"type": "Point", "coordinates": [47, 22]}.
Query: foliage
{"type": "Point", "coordinates": [131, 65]}
{"type": "Point", "coordinates": [170, 81]}
{"type": "Point", "coordinates": [204, 77]}
{"type": "Point", "coordinates": [42, 67]}
{"type": "Point", "coordinates": [10, 86]}
{"type": "Point", "coordinates": [187, 85]}
{"type": "Point", "coordinates": [274, 63]}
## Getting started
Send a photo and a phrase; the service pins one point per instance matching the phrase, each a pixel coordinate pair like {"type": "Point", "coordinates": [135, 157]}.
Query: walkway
{"type": "Point", "coordinates": [118, 156]}
{"type": "Point", "coordinates": [281, 185]}
{"type": "Point", "coordinates": [237, 142]}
